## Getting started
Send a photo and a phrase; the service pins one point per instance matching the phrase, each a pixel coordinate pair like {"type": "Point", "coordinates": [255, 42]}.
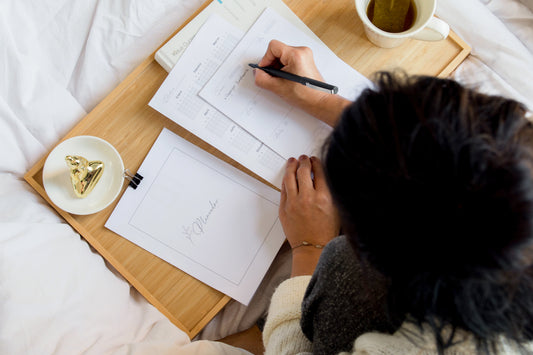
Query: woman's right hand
{"type": "Point", "coordinates": [298, 60]}
{"type": "Point", "coordinates": [295, 60]}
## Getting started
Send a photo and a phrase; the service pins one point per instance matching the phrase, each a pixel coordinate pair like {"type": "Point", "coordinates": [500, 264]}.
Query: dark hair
{"type": "Point", "coordinates": [433, 182]}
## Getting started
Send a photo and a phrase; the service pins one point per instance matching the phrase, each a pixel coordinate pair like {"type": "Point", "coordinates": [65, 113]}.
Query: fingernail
{"type": "Point", "coordinates": [291, 160]}
{"type": "Point", "coordinates": [302, 157]}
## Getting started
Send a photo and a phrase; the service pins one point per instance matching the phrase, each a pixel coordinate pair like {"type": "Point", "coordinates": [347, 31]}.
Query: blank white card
{"type": "Point", "coordinates": [203, 216]}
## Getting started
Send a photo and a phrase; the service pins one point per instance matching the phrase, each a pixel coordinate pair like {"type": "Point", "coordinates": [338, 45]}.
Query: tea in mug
{"type": "Point", "coordinates": [392, 15]}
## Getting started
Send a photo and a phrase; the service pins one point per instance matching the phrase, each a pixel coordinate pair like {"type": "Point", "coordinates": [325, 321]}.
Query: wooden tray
{"type": "Point", "coordinates": [125, 120]}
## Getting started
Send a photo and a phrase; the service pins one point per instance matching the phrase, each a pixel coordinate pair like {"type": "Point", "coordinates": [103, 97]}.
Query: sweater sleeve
{"type": "Point", "coordinates": [282, 333]}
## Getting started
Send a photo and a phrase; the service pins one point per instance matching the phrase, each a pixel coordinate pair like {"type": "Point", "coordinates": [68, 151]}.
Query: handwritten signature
{"type": "Point", "coordinates": [197, 227]}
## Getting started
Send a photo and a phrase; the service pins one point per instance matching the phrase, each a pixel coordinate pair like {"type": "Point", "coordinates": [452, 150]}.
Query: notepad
{"type": "Point", "coordinates": [203, 216]}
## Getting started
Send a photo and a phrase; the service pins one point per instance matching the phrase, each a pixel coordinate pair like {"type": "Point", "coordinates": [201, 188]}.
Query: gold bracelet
{"type": "Point", "coordinates": [307, 244]}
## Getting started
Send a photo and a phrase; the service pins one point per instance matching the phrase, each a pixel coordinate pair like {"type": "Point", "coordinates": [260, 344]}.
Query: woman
{"type": "Point", "coordinates": [431, 184]}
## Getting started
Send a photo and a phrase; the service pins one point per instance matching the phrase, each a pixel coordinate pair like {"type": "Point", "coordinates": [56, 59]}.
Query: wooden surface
{"type": "Point", "coordinates": [125, 120]}
{"type": "Point", "coordinates": [340, 28]}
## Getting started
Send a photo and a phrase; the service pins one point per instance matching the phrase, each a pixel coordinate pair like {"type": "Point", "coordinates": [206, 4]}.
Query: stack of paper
{"type": "Point", "coordinates": [211, 92]}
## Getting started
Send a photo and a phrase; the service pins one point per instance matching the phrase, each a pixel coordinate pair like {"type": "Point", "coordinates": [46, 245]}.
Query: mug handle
{"type": "Point", "coordinates": [435, 30]}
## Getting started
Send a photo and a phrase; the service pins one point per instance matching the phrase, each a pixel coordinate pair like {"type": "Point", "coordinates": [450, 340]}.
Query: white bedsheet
{"type": "Point", "coordinates": [58, 59]}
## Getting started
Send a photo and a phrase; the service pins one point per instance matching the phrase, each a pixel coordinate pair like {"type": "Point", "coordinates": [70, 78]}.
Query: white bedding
{"type": "Point", "coordinates": [58, 59]}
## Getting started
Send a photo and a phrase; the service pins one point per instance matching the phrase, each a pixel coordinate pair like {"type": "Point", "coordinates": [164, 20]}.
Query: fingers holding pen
{"type": "Point", "coordinates": [296, 60]}
{"type": "Point", "coordinates": [272, 58]}
{"type": "Point", "coordinates": [273, 54]}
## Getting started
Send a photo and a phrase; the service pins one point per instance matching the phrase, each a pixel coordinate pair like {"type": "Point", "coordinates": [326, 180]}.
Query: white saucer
{"type": "Point", "coordinates": [56, 175]}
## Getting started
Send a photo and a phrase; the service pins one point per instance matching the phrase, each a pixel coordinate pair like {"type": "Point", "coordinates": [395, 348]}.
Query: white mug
{"type": "Point", "coordinates": [425, 27]}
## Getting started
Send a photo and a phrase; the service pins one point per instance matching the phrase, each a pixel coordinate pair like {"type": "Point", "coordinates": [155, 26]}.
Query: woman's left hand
{"type": "Point", "coordinates": [307, 212]}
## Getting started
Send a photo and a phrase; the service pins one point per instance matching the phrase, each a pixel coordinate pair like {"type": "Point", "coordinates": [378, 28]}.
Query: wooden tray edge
{"type": "Point", "coordinates": [458, 59]}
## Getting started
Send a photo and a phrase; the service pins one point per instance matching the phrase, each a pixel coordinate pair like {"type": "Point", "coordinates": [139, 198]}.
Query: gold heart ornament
{"type": "Point", "coordinates": [84, 174]}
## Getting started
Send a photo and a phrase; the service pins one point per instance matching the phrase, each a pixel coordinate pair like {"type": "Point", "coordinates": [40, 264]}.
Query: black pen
{"type": "Point", "coordinates": [312, 83]}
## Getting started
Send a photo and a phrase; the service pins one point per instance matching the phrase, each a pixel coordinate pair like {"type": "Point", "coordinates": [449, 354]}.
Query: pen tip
{"type": "Point", "coordinates": [253, 65]}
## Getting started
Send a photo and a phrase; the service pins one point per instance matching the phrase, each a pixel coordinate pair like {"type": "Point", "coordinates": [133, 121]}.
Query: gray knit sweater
{"type": "Point", "coordinates": [282, 333]}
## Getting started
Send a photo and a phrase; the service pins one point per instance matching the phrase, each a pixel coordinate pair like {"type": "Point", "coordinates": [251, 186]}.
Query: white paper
{"type": "Point", "coordinates": [178, 99]}
{"type": "Point", "coordinates": [203, 216]}
{"type": "Point", "coordinates": [285, 129]}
